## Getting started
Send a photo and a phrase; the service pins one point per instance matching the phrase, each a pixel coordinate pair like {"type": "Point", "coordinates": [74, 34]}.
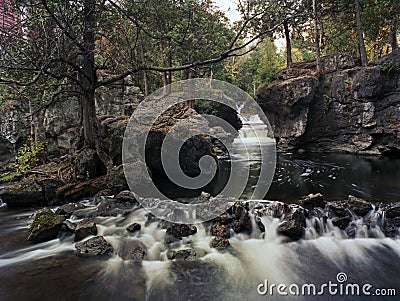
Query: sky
{"type": "Point", "coordinates": [229, 7]}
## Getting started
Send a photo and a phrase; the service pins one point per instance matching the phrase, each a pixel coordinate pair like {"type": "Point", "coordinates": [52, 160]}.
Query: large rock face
{"type": "Point", "coordinates": [355, 110]}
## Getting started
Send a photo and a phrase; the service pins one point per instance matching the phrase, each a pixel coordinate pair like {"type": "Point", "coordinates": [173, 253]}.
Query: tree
{"type": "Point", "coordinates": [360, 34]}
{"type": "Point", "coordinates": [74, 42]}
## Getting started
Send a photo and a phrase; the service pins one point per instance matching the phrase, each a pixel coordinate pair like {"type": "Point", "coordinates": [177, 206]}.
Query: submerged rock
{"type": "Point", "coordinates": [93, 247]}
{"type": "Point", "coordinates": [186, 254]}
{"type": "Point", "coordinates": [69, 209]}
{"type": "Point", "coordinates": [45, 225]}
{"type": "Point", "coordinates": [84, 229]}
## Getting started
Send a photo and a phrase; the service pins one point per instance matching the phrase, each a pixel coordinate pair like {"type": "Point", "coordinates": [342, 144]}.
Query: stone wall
{"type": "Point", "coordinates": [349, 109]}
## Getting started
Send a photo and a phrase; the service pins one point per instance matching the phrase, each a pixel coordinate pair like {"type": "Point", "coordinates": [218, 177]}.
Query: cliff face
{"type": "Point", "coordinates": [349, 109]}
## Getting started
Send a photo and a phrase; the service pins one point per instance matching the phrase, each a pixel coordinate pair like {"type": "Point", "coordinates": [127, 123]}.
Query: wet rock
{"type": "Point", "coordinates": [126, 196]}
{"type": "Point", "coordinates": [396, 221]}
{"type": "Point", "coordinates": [313, 201]}
{"type": "Point", "coordinates": [242, 221]}
{"type": "Point", "coordinates": [186, 254]}
{"type": "Point", "coordinates": [88, 164]}
{"type": "Point", "coordinates": [45, 225]}
{"type": "Point", "coordinates": [220, 230]}
{"type": "Point", "coordinates": [68, 209]}
{"type": "Point", "coordinates": [181, 230]}
{"type": "Point", "coordinates": [389, 228]}
{"type": "Point", "coordinates": [132, 250]}
{"type": "Point", "coordinates": [133, 227]}
{"type": "Point", "coordinates": [93, 247]}
{"type": "Point", "coordinates": [204, 196]}
{"type": "Point", "coordinates": [338, 210]}
{"type": "Point", "coordinates": [220, 243]}
{"type": "Point", "coordinates": [341, 222]}
{"type": "Point", "coordinates": [224, 219]}
{"type": "Point", "coordinates": [393, 212]}
{"type": "Point", "coordinates": [359, 206]}
{"type": "Point", "coordinates": [293, 225]}
{"type": "Point", "coordinates": [115, 179]}
{"type": "Point", "coordinates": [69, 226]}
{"type": "Point", "coordinates": [351, 232]}
{"type": "Point", "coordinates": [30, 191]}
{"type": "Point", "coordinates": [84, 229]}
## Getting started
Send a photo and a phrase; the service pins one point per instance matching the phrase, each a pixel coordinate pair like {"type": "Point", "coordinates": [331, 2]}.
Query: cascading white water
{"type": "Point", "coordinates": [262, 254]}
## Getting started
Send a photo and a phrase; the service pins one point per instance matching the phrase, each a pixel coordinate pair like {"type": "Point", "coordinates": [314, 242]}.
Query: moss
{"type": "Point", "coordinates": [43, 219]}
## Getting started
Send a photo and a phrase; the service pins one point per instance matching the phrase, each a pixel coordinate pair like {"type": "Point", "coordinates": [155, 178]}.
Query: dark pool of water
{"type": "Point", "coordinates": [336, 176]}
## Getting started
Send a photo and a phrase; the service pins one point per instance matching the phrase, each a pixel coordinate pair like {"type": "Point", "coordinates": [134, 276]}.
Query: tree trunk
{"type": "Point", "coordinates": [88, 80]}
{"type": "Point", "coordinates": [360, 35]}
{"type": "Point", "coordinates": [289, 61]}
{"type": "Point", "coordinates": [316, 37]}
{"type": "Point", "coordinates": [87, 76]}
{"type": "Point", "coordinates": [144, 73]}
{"type": "Point", "coordinates": [190, 102]}
{"type": "Point", "coordinates": [393, 37]}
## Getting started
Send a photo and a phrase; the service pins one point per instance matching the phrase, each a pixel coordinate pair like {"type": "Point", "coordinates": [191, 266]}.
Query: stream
{"type": "Point", "coordinates": [51, 271]}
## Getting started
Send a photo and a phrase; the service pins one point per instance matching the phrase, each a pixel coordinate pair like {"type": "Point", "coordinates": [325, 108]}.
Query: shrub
{"type": "Point", "coordinates": [29, 155]}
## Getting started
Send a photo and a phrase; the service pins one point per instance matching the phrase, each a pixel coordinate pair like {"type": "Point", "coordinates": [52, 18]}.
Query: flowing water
{"type": "Point", "coordinates": [51, 271]}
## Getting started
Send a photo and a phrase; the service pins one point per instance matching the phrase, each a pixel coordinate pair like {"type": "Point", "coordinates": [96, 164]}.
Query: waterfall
{"type": "Point", "coordinates": [2, 204]}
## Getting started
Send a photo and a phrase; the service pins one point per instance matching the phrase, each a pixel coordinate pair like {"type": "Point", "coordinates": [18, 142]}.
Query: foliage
{"type": "Point", "coordinates": [390, 66]}
{"type": "Point", "coordinates": [29, 155]}
{"type": "Point", "coordinates": [9, 177]}
{"type": "Point", "coordinates": [256, 68]}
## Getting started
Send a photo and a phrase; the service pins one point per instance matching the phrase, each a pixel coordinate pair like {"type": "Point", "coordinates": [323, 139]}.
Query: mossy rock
{"type": "Point", "coordinates": [45, 225]}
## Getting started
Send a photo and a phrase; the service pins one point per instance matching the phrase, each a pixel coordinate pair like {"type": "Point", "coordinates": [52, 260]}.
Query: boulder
{"type": "Point", "coordinates": [359, 206]}
{"type": "Point", "coordinates": [293, 225]}
{"type": "Point", "coordinates": [132, 250]}
{"type": "Point", "coordinates": [93, 247]}
{"type": "Point", "coordinates": [341, 222]}
{"type": "Point", "coordinates": [220, 230]}
{"type": "Point", "coordinates": [313, 201]}
{"type": "Point", "coordinates": [220, 243]}
{"type": "Point", "coordinates": [115, 179]}
{"type": "Point", "coordinates": [181, 230]}
{"type": "Point", "coordinates": [84, 229]}
{"type": "Point", "coordinates": [88, 164]}
{"type": "Point", "coordinates": [45, 225]}
{"type": "Point", "coordinates": [393, 212]}
{"type": "Point", "coordinates": [242, 222]}
{"type": "Point", "coordinates": [30, 191]}
{"type": "Point", "coordinates": [126, 196]}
